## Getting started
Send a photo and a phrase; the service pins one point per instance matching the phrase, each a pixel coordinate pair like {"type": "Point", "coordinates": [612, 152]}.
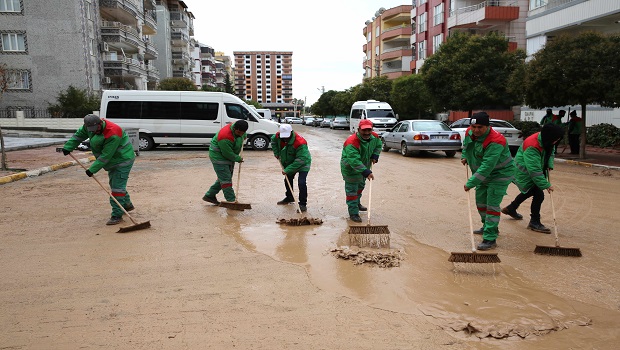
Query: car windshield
{"type": "Point", "coordinates": [379, 113]}
{"type": "Point", "coordinates": [430, 126]}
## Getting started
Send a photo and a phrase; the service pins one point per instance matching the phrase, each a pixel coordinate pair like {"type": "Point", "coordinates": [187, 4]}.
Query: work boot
{"type": "Point", "coordinates": [130, 207]}
{"type": "Point", "coordinates": [355, 217]}
{"type": "Point", "coordinates": [486, 245]}
{"type": "Point", "coordinates": [286, 201]}
{"type": "Point", "coordinates": [479, 231]}
{"type": "Point", "coordinates": [114, 220]}
{"type": "Point", "coordinates": [538, 227]}
{"type": "Point", "coordinates": [211, 199]}
{"type": "Point", "coordinates": [362, 208]}
{"type": "Point", "coordinates": [302, 208]}
{"type": "Point", "coordinates": [512, 213]}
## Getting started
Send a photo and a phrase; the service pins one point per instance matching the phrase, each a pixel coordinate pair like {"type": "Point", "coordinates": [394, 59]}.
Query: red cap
{"type": "Point", "coordinates": [365, 124]}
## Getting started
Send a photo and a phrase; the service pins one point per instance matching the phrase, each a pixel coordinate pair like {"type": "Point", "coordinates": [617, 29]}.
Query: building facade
{"type": "Point", "coordinates": [175, 27]}
{"type": "Point", "coordinates": [264, 76]}
{"type": "Point", "coordinates": [387, 51]}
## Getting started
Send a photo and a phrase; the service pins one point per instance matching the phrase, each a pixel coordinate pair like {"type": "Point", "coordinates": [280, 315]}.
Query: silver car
{"type": "Point", "coordinates": [339, 123]}
{"type": "Point", "coordinates": [513, 136]}
{"type": "Point", "coordinates": [422, 135]}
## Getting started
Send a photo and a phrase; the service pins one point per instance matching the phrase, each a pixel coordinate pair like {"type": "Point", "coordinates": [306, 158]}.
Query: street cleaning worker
{"type": "Point", "coordinates": [224, 153]}
{"type": "Point", "coordinates": [575, 125]}
{"type": "Point", "coordinates": [291, 150]}
{"type": "Point", "coordinates": [534, 159]}
{"type": "Point", "coordinates": [486, 152]}
{"type": "Point", "coordinates": [359, 152]}
{"type": "Point", "coordinates": [113, 152]}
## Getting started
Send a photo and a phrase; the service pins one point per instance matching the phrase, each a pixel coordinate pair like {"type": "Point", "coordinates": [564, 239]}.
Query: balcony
{"type": "Point", "coordinates": [150, 23]}
{"type": "Point", "coordinates": [180, 57]}
{"type": "Point", "coordinates": [152, 73]}
{"type": "Point", "coordinates": [178, 19]}
{"type": "Point", "coordinates": [179, 38]}
{"type": "Point", "coordinates": [121, 66]}
{"type": "Point", "coordinates": [122, 36]}
{"type": "Point", "coordinates": [150, 51]}
{"type": "Point", "coordinates": [149, 4]}
{"type": "Point", "coordinates": [124, 11]}
{"type": "Point", "coordinates": [400, 31]}
{"type": "Point", "coordinates": [485, 14]}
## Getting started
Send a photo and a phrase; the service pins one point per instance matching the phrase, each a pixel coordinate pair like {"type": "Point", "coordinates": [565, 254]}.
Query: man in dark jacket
{"type": "Point", "coordinates": [534, 159]}
{"type": "Point", "coordinates": [114, 152]}
{"type": "Point", "coordinates": [291, 150]}
{"type": "Point", "coordinates": [487, 154]}
{"type": "Point", "coordinates": [224, 153]}
{"type": "Point", "coordinates": [359, 152]}
{"type": "Point", "coordinates": [575, 125]}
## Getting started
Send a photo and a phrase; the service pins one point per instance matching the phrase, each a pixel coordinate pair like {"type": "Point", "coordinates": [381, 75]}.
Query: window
{"type": "Point", "coordinates": [199, 111]}
{"type": "Point", "coordinates": [537, 3]}
{"type": "Point", "coordinates": [18, 80]}
{"type": "Point", "coordinates": [13, 42]}
{"type": "Point", "coordinates": [377, 31]}
{"type": "Point", "coordinates": [422, 23]}
{"type": "Point", "coordinates": [438, 14]}
{"type": "Point", "coordinates": [10, 6]}
{"type": "Point", "coordinates": [437, 40]}
{"type": "Point", "coordinates": [422, 50]}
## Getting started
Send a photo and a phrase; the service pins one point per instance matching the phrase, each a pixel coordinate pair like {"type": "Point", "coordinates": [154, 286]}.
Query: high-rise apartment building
{"type": "Point", "coordinates": [204, 65]}
{"type": "Point", "coordinates": [264, 76]}
{"type": "Point", "coordinates": [175, 27]}
{"type": "Point", "coordinates": [388, 43]}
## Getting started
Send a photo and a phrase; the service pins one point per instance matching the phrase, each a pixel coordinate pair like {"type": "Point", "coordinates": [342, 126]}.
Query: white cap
{"type": "Point", "coordinates": [285, 130]}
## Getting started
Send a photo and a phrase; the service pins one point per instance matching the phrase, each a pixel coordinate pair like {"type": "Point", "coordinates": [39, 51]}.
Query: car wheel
{"type": "Point", "coordinates": [146, 143]}
{"type": "Point", "coordinates": [450, 154]}
{"type": "Point", "coordinates": [259, 142]}
{"type": "Point", "coordinates": [404, 150]}
{"type": "Point", "coordinates": [385, 147]}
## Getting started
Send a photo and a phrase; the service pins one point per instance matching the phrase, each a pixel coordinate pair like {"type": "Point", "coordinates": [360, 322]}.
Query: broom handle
{"type": "Point", "coordinates": [238, 176]}
{"type": "Point", "coordinates": [369, 197]}
{"type": "Point", "coordinates": [105, 189]}
{"type": "Point", "coordinates": [555, 225]}
{"type": "Point", "coordinates": [290, 188]}
{"type": "Point", "coordinates": [471, 223]}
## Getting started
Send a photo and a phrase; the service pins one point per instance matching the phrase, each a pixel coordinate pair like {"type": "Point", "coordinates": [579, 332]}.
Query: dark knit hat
{"type": "Point", "coordinates": [480, 118]}
{"type": "Point", "coordinates": [241, 125]}
{"type": "Point", "coordinates": [551, 133]}
{"type": "Point", "coordinates": [573, 113]}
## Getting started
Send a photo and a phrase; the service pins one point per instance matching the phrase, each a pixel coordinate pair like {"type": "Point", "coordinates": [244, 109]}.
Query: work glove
{"type": "Point", "coordinates": [366, 172]}
{"type": "Point", "coordinates": [89, 173]}
{"type": "Point", "coordinates": [375, 158]}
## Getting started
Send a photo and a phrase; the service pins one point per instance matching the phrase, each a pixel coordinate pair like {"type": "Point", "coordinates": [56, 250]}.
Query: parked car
{"type": "Point", "coordinates": [308, 120]}
{"type": "Point", "coordinates": [339, 123]}
{"type": "Point", "coordinates": [512, 135]}
{"type": "Point", "coordinates": [293, 120]}
{"type": "Point", "coordinates": [422, 135]}
{"type": "Point", "coordinates": [325, 122]}
{"type": "Point", "coordinates": [317, 121]}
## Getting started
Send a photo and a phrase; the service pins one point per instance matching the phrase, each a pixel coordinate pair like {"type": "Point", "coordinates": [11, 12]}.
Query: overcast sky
{"type": "Point", "coordinates": [325, 36]}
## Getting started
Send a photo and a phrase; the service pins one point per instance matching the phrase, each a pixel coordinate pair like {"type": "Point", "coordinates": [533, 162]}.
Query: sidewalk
{"type": "Point", "coordinates": [599, 157]}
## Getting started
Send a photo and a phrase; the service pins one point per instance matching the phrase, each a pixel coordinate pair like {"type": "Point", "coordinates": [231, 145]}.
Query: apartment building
{"type": "Point", "coordinates": [175, 27]}
{"type": "Point", "coordinates": [387, 51]}
{"type": "Point", "coordinates": [204, 65]}
{"type": "Point", "coordinates": [264, 76]}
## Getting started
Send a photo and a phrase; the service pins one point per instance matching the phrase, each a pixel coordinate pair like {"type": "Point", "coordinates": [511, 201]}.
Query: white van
{"type": "Point", "coordinates": [380, 113]}
{"type": "Point", "coordinates": [183, 117]}
{"type": "Point", "coordinates": [264, 112]}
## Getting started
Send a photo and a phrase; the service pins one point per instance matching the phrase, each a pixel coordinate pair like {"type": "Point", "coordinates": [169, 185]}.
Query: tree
{"type": "Point", "coordinates": [210, 88]}
{"type": "Point", "coordinates": [74, 103]}
{"type": "Point", "coordinates": [341, 102]}
{"type": "Point", "coordinates": [377, 88]}
{"type": "Point", "coordinates": [410, 98]}
{"type": "Point", "coordinates": [228, 85]}
{"type": "Point", "coordinates": [575, 70]}
{"type": "Point", "coordinates": [323, 106]}
{"type": "Point", "coordinates": [176, 84]}
{"type": "Point", "coordinates": [472, 72]}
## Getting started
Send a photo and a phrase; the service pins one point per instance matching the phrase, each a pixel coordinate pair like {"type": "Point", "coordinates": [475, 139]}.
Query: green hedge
{"type": "Point", "coordinates": [603, 135]}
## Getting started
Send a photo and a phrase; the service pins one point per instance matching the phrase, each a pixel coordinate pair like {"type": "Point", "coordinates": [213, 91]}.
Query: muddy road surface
{"type": "Point", "coordinates": [206, 277]}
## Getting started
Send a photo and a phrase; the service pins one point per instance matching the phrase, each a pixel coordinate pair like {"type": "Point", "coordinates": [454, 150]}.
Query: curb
{"type": "Point", "coordinates": [585, 164]}
{"type": "Point", "coordinates": [44, 170]}
{"type": "Point", "coordinates": [42, 144]}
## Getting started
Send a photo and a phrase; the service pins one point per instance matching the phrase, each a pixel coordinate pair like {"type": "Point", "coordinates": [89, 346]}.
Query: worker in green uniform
{"type": "Point", "coordinates": [224, 153]}
{"type": "Point", "coordinates": [533, 160]}
{"type": "Point", "coordinates": [359, 152]}
{"type": "Point", "coordinates": [486, 152]}
{"type": "Point", "coordinates": [113, 152]}
{"type": "Point", "coordinates": [575, 126]}
{"type": "Point", "coordinates": [291, 150]}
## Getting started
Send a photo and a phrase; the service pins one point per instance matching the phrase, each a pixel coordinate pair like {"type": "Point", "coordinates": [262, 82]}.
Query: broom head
{"type": "Point", "coordinates": [369, 236]}
{"type": "Point", "coordinates": [475, 257]}
{"type": "Point", "coordinates": [557, 251]}
{"type": "Point", "coordinates": [235, 205]}
{"type": "Point", "coordinates": [300, 221]}
{"type": "Point", "coordinates": [135, 227]}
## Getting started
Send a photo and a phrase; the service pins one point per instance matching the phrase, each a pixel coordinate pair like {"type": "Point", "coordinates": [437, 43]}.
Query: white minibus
{"type": "Point", "coordinates": [183, 117]}
{"type": "Point", "coordinates": [380, 113]}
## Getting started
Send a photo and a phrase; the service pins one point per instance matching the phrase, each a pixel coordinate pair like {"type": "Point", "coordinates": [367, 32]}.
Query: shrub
{"type": "Point", "coordinates": [603, 135]}
{"type": "Point", "coordinates": [74, 103]}
{"type": "Point", "coordinates": [527, 128]}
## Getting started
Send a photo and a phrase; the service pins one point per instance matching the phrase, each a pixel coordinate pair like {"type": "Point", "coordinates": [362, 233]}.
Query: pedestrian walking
{"type": "Point", "coordinates": [291, 150]}
{"type": "Point", "coordinates": [486, 153]}
{"type": "Point", "coordinates": [359, 152]}
{"type": "Point", "coordinates": [575, 126]}
{"type": "Point", "coordinates": [224, 153]}
{"type": "Point", "coordinates": [533, 161]}
{"type": "Point", "coordinates": [113, 152]}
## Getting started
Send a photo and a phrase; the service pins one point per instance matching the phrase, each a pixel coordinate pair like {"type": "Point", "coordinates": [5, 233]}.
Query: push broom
{"type": "Point", "coordinates": [136, 226]}
{"type": "Point", "coordinates": [369, 235]}
{"type": "Point", "coordinates": [302, 220]}
{"type": "Point", "coordinates": [236, 205]}
{"type": "Point", "coordinates": [556, 250]}
{"type": "Point", "coordinates": [474, 256]}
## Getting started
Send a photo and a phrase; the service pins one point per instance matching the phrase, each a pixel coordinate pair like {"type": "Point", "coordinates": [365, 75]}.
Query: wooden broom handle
{"type": "Point", "coordinates": [369, 196]}
{"type": "Point", "coordinates": [555, 225]}
{"type": "Point", "coordinates": [238, 175]}
{"type": "Point", "coordinates": [105, 189]}
{"type": "Point", "coordinates": [471, 223]}
{"type": "Point", "coordinates": [290, 188]}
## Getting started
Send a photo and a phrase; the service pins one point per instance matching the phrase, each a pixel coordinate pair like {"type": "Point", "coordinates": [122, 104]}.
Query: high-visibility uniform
{"type": "Point", "coordinates": [224, 153]}
{"type": "Point", "coordinates": [295, 158]}
{"type": "Point", "coordinates": [355, 162]}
